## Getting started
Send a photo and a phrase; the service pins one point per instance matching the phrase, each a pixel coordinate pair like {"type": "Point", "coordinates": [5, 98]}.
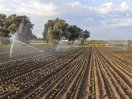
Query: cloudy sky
{"type": "Point", "coordinates": [105, 19]}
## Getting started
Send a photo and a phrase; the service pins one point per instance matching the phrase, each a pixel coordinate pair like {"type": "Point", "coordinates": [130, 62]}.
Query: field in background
{"type": "Point", "coordinates": [88, 43]}
{"type": "Point", "coordinates": [100, 43]}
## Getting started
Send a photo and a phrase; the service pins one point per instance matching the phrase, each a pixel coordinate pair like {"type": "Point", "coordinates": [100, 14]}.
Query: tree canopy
{"type": "Point", "coordinates": [58, 28]}
{"type": "Point", "coordinates": [10, 24]}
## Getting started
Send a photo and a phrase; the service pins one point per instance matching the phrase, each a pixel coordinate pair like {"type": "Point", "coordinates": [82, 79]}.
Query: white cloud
{"type": "Point", "coordinates": [35, 7]}
{"type": "Point", "coordinates": [2, 7]}
{"type": "Point", "coordinates": [109, 7]}
{"type": "Point", "coordinates": [103, 9]}
{"type": "Point", "coordinates": [122, 23]}
{"type": "Point", "coordinates": [124, 5]}
{"type": "Point", "coordinates": [89, 19]}
{"type": "Point", "coordinates": [117, 22]}
{"type": "Point", "coordinates": [76, 4]}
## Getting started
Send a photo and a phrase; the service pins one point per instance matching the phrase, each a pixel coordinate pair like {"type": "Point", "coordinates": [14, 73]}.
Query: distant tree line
{"type": "Point", "coordinates": [58, 29]}
{"type": "Point", "coordinates": [53, 29]}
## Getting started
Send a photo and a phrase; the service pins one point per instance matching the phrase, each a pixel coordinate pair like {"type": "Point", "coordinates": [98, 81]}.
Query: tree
{"type": "Point", "coordinates": [84, 35]}
{"type": "Point", "coordinates": [58, 28]}
{"type": "Point", "coordinates": [55, 29]}
{"type": "Point", "coordinates": [14, 22]}
{"type": "Point", "coordinates": [10, 24]}
{"type": "Point", "coordinates": [75, 32]}
{"type": "Point", "coordinates": [4, 32]}
{"type": "Point", "coordinates": [34, 37]}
